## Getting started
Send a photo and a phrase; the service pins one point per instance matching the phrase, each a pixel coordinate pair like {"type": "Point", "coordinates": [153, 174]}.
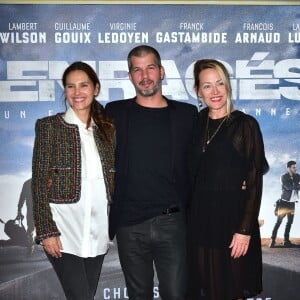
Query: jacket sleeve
{"type": "Point", "coordinates": [286, 183]}
{"type": "Point", "coordinates": [109, 109]}
{"type": "Point", "coordinates": [42, 153]}
{"type": "Point", "coordinates": [257, 167]}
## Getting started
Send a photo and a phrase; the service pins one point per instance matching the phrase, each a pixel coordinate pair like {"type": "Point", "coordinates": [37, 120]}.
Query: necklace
{"type": "Point", "coordinates": [208, 138]}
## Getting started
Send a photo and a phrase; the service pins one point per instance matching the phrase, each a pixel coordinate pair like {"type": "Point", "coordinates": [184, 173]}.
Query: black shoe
{"type": "Point", "coordinates": [272, 244]}
{"type": "Point", "coordinates": [288, 244]}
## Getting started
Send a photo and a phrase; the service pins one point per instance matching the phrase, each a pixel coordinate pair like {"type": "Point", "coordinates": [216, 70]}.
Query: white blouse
{"type": "Point", "coordinates": [84, 225]}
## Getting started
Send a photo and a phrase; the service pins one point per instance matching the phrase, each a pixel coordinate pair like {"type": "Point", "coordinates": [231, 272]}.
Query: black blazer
{"type": "Point", "coordinates": [183, 117]}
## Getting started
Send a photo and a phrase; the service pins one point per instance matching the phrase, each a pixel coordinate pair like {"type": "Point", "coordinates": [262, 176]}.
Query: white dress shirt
{"type": "Point", "coordinates": [84, 225]}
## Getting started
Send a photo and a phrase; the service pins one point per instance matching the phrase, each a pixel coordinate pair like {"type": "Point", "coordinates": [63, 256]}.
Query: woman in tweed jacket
{"type": "Point", "coordinates": [72, 183]}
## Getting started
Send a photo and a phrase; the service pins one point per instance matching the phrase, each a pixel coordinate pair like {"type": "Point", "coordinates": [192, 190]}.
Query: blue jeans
{"type": "Point", "coordinates": [162, 241]}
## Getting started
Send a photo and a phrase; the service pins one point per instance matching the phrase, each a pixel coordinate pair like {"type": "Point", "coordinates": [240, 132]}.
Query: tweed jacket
{"type": "Point", "coordinates": [56, 168]}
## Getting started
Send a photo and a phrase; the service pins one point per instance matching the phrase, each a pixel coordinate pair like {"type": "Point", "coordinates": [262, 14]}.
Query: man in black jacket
{"type": "Point", "coordinates": [152, 186]}
{"type": "Point", "coordinates": [290, 183]}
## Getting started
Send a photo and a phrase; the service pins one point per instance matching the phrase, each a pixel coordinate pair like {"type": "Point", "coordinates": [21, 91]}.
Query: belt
{"type": "Point", "coordinates": [171, 210]}
{"type": "Point", "coordinates": [288, 201]}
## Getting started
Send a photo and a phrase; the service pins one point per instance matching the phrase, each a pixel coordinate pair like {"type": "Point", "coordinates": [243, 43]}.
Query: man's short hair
{"type": "Point", "coordinates": [141, 51]}
{"type": "Point", "coordinates": [290, 163]}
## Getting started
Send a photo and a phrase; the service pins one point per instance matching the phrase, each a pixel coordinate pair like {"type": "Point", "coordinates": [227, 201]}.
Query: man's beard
{"type": "Point", "coordinates": [151, 92]}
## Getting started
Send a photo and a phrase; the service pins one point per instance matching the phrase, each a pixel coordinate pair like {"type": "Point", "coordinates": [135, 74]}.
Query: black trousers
{"type": "Point", "coordinates": [160, 241]}
{"type": "Point", "coordinates": [78, 276]}
{"type": "Point", "coordinates": [286, 209]}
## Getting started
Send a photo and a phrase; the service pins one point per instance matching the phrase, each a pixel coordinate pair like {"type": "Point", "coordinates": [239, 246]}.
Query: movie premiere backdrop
{"type": "Point", "coordinates": [259, 43]}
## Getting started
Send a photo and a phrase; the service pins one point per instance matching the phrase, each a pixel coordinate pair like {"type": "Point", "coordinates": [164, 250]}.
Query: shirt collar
{"type": "Point", "coordinates": [71, 118]}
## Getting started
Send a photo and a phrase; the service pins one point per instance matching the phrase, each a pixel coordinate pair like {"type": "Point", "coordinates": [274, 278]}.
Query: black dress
{"type": "Point", "coordinates": [220, 207]}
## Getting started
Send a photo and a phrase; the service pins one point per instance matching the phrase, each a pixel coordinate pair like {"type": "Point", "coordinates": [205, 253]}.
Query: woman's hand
{"type": "Point", "coordinates": [239, 245]}
{"type": "Point", "coordinates": [53, 246]}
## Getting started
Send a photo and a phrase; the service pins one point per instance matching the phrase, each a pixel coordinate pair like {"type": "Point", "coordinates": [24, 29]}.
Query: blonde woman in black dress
{"type": "Point", "coordinates": [227, 166]}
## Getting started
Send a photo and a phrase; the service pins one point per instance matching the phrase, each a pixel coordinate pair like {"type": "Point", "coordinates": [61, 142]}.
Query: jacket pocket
{"type": "Point", "coordinates": [62, 184]}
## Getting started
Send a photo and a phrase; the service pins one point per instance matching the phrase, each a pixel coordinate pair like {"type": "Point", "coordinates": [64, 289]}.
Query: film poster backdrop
{"type": "Point", "coordinates": [259, 44]}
